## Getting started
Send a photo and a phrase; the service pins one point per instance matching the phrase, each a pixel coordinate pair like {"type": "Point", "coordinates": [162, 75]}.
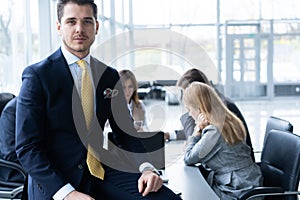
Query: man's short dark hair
{"type": "Point", "coordinates": [190, 76]}
{"type": "Point", "coordinates": [61, 4]}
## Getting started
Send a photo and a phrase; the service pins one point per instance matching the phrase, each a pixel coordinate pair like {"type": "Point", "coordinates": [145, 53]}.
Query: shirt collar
{"type": "Point", "coordinates": [71, 58]}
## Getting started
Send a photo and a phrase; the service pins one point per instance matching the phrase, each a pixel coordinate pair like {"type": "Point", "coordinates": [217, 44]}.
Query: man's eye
{"type": "Point", "coordinates": [71, 22]}
{"type": "Point", "coordinates": [89, 22]}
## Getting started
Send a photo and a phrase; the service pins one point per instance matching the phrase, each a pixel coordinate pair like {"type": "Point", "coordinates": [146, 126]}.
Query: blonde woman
{"type": "Point", "coordinates": [218, 142]}
{"type": "Point", "coordinates": [135, 105]}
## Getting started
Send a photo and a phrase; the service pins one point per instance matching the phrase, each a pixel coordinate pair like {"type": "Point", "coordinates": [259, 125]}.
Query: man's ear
{"type": "Point", "coordinates": [58, 27]}
{"type": "Point", "coordinates": [97, 27]}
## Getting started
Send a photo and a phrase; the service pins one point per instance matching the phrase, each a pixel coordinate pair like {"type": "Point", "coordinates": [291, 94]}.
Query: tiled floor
{"type": "Point", "coordinates": [164, 117]}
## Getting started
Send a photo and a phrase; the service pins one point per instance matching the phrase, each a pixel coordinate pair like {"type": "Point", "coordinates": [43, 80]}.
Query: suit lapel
{"type": "Point", "coordinates": [62, 70]}
{"type": "Point", "coordinates": [97, 69]}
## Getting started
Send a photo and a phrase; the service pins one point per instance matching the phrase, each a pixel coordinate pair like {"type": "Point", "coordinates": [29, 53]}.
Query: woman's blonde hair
{"type": "Point", "coordinates": [202, 96]}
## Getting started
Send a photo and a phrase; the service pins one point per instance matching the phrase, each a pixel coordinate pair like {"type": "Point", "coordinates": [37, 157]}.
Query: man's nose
{"type": "Point", "coordinates": [79, 27]}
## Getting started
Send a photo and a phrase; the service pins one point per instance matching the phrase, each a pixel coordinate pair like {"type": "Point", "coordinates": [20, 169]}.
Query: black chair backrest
{"type": "Point", "coordinates": [153, 142]}
{"type": "Point", "coordinates": [280, 161]}
{"type": "Point", "coordinates": [5, 97]}
{"type": "Point", "coordinates": [155, 146]}
{"type": "Point", "coordinates": [277, 124]}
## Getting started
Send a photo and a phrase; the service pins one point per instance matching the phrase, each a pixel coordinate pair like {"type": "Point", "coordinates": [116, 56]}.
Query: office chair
{"type": "Point", "coordinates": [280, 166]}
{"type": "Point", "coordinates": [12, 175]}
{"type": "Point", "coordinates": [5, 97]}
{"type": "Point", "coordinates": [155, 144]}
{"type": "Point", "coordinates": [277, 124]}
{"type": "Point", "coordinates": [11, 187]}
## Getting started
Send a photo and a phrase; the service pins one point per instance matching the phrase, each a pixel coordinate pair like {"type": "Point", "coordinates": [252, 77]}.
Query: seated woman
{"type": "Point", "coordinates": [135, 105]}
{"type": "Point", "coordinates": [218, 142]}
{"type": "Point", "coordinates": [193, 75]}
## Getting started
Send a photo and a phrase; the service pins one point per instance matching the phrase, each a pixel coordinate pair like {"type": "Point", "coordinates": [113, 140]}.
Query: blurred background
{"type": "Point", "coordinates": [249, 50]}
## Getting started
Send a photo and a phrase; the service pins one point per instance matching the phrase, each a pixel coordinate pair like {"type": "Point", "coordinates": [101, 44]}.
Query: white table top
{"type": "Point", "coordinates": [189, 182]}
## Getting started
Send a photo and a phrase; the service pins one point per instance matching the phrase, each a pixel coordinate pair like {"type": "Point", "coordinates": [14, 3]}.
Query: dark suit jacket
{"type": "Point", "coordinates": [188, 124]}
{"type": "Point", "coordinates": [50, 128]}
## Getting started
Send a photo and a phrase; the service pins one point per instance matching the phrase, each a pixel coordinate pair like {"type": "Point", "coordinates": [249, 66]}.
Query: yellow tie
{"type": "Point", "coordinates": [87, 101]}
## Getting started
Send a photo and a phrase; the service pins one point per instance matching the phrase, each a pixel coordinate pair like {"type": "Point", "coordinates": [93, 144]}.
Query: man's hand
{"type": "Point", "coordinates": [75, 195]}
{"type": "Point", "coordinates": [167, 136]}
{"type": "Point", "coordinates": [149, 182]}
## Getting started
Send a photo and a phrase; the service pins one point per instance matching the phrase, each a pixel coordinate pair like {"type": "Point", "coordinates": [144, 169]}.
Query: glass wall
{"type": "Point", "coordinates": [170, 34]}
{"type": "Point", "coordinates": [19, 40]}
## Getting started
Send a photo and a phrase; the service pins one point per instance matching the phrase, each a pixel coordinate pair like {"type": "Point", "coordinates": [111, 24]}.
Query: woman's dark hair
{"type": "Point", "coordinates": [190, 76]}
{"type": "Point", "coordinates": [61, 4]}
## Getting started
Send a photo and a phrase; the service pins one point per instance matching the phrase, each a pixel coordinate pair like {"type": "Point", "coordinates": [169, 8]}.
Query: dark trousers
{"type": "Point", "coordinates": [121, 185]}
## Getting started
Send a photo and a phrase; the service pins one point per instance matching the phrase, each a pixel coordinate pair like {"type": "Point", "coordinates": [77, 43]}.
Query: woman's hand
{"type": "Point", "coordinates": [201, 122]}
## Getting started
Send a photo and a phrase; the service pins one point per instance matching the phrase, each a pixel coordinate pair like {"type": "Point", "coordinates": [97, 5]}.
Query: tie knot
{"type": "Point", "coordinates": [81, 64]}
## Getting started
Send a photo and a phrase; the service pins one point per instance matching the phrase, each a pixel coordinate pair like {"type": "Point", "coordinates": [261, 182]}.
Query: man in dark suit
{"type": "Point", "coordinates": [52, 134]}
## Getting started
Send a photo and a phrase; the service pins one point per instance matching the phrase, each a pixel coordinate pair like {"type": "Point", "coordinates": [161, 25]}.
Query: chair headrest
{"type": "Point", "coordinates": [278, 124]}
{"type": "Point", "coordinates": [4, 99]}
{"type": "Point", "coordinates": [275, 123]}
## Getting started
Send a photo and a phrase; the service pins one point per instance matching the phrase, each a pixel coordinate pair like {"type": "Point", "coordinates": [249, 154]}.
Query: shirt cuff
{"type": "Point", "coordinates": [173, 135]}
{"type": "Point", "coordinates": [63, 192]}
{"type": "Point", "coordinates": [146, 166]}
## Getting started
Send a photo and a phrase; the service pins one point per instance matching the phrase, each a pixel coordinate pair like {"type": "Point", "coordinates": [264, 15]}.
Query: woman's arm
{"type": "Point", "coordinates": [197, 149]}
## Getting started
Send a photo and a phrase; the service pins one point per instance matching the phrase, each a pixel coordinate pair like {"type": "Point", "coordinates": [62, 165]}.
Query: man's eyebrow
{"type": "Point", "coordinates": [74, 18]}
{"type": "Point", "coordinates": [70, 18]}
{"type": "Point", "coordinates": [90, 18]}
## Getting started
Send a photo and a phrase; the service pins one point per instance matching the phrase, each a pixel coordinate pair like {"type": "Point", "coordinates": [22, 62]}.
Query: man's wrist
{"type": "Point", "coordinates": [63, 192]}
{"type": "Point", "coordinates": [146, 166]}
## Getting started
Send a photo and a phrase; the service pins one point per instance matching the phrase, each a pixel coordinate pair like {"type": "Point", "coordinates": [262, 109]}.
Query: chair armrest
{"type": "Point", "coordinates": [11, 194]}
{"type": "Point", "coordinates": [11, 174]}
{"type": "Point", "coordinates": [261, 191]}
{"type": "Point", "coordinates": [12, 165]}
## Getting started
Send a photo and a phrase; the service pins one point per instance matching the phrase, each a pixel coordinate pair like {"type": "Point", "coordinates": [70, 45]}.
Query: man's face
{"type": "Point", "coordinates": [78, 28]}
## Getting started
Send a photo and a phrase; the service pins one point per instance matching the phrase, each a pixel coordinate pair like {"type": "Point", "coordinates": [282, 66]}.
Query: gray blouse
{"type": "Point", "coordinates": [233, 171]}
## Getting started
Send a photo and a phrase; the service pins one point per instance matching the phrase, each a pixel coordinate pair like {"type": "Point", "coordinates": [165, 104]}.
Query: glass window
{"type": "Point", "coordinates": [19, 41]}
{"type": "Point", "coordinates": [22, 45]}
{"type": "Point", "coordinates": [157, 12]}
{"type": "Point", "coordinates": [239, 10]}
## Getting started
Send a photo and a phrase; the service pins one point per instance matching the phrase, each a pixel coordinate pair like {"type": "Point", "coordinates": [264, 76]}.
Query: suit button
{"type": "Point", "coordinates": [80, 166]}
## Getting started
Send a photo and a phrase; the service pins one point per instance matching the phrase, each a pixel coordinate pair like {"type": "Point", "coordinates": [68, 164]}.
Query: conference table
{"type": "Point", "coordinates": [188, 181]}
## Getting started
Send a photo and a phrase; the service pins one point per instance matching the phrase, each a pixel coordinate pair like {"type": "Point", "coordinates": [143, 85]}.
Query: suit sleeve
{"type": "Point", "coordinates": [31, 134]}
{"type": "Point", "coordinates": [188, 124]}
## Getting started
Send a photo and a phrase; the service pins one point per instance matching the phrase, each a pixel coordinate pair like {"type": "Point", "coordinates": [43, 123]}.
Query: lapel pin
{"type": "Point", "coordinates": [109, 93]}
